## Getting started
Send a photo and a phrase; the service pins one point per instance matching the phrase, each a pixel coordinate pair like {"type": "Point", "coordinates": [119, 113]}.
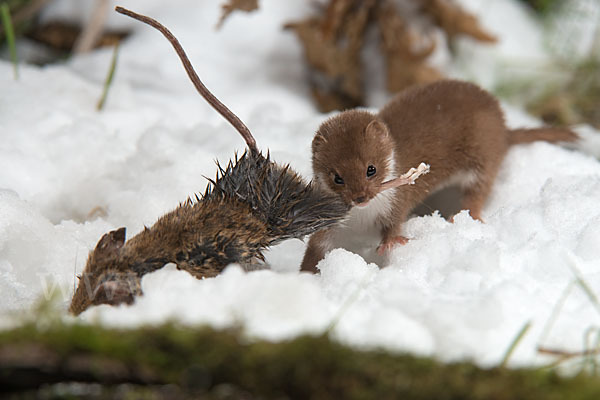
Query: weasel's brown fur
{"type": "Point", "coordinates": [455, 127]}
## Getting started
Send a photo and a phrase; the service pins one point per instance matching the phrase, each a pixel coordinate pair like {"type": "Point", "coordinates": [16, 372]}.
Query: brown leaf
{"type": "Point", "coordinates": [332, 47]}
{"type": "Point", "coordinates": [333, 41]}
{"type": "Point", "coordinates": [455, 21]}
{"type": "Point", "coordinates": [405, 51]}
{"type": "Point", "coordinates": [62, 36]}
{"type": "Point", "coordinates": [334, 17]}
{"type": "Point", "coordinates": [233, 5]}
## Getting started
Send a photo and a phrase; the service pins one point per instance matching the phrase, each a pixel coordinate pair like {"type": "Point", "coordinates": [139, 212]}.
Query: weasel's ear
{"type": "Point", "coordinates": [113, 293]}
{"type": "Point", "coordinates": [376, 128]}
{"type": "Point", "coordinates": [318, 141]}
{"type": "Point", "coordinates": [111, 242]}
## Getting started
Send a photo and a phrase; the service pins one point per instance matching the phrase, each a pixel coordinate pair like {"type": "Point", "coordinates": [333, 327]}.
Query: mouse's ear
{"type": "Point", "coordinates": [111, 242]}
{"type": "Point", "coordinates": [376, 128]}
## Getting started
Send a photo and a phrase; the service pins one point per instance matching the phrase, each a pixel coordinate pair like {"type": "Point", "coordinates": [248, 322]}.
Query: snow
{"type": "Point", "coordinates": [455, 291]}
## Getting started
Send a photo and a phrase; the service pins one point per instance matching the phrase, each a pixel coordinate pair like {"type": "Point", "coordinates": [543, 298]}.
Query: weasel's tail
{"type": "Point", "coordinates": [547, 134]}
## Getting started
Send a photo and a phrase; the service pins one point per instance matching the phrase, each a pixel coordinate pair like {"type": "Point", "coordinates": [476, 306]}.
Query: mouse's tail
{"type": "Point", "coordinates": [547, 134]}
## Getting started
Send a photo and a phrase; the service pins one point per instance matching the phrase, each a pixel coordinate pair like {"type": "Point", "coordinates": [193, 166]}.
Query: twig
{"type": "Point", "coordinates": [10, 36]}
{"type": "Point", "coordinates": [189, 69]}
{"type": "Point", "coordinates": [514, 344]}
{"type": "Point", "coordinates": [563, 354]}
{"type": "Point", "coordinates": [109, 77]}
{"type": "Point", "coordinates": [93, 30]}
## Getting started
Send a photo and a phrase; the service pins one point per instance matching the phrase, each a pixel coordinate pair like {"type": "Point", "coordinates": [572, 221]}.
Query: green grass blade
{"type": "Point", "coordinates": [10, 36]}
{"type": "Point", "coordinates": [349, 301]}
{"type": "Point", "coordinates": [515, 343]}
{"type": "Point", "coordinates": [587, 289]}
{"type": "Point", "coordinates": [589, 292]}
{"type": "Point", "coordinates": [109, 77]}
{"type": "Point", "coordinates": [555, 312]}
{"type": "Point", "coordinates": [591, 340]}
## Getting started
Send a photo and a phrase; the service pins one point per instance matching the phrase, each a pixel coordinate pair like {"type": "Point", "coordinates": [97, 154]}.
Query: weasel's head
{"type": "Point", "coordinates": [102, 281]}
{"type": "Point", "coordinates": [353, 154]}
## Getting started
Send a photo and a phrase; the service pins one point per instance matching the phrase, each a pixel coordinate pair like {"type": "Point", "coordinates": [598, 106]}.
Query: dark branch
{"type": "Point", "coordinates": [212, 100]}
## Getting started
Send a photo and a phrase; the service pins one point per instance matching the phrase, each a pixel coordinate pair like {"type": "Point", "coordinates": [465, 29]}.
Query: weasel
{"type": "Point", "coordinates": [455, 127]}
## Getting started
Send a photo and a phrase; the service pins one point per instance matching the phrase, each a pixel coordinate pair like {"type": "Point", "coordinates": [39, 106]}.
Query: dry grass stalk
{"type": "Point", "coordinates": [92, 32]}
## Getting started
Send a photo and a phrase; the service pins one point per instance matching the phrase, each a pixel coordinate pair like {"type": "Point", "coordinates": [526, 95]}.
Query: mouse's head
{"type": "Point", "coordinates": [353, 154]}
{"type": "Point", "coordinates": [102, 281]}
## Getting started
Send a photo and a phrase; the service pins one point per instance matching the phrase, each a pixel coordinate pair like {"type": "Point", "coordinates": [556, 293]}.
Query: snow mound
{"type": "Point", "coordinates": [455, 291]}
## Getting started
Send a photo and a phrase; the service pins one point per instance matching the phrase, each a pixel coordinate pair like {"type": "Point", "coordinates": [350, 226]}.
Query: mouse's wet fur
{"type": "Point", "coordinates": [253, 203]}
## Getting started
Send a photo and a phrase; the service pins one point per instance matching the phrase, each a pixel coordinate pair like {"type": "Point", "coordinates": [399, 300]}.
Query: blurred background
{"type": "Point", "coordinates": [101, 128]}
{"type": "Point", "coordinates": [544, 59]}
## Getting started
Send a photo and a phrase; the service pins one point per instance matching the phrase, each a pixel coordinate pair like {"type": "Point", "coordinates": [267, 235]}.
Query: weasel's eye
{"type": "Point", "coordinates": [371, 171]}
{"type": "Point", "coordinates": [338, 179]}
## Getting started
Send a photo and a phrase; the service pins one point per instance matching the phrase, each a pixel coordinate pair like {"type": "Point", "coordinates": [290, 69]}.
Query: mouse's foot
{"type": "Point", "coordinates": [388, 244]}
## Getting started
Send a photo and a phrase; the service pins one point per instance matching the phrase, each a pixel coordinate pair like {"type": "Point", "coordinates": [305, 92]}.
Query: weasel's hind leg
{"type": "Point", "coordinates": [474, 197]}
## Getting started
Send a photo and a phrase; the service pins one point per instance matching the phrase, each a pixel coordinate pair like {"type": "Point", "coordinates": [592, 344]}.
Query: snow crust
{"type": "Point", "coordinates": [455, 291]}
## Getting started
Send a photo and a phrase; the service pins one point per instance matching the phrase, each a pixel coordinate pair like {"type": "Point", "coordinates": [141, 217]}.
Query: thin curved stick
{"type": "Point", "coordinates": [212, 100]}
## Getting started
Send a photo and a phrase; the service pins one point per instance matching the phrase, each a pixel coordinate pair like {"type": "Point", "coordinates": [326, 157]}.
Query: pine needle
{"type": "Point", "coordinates": [109, 77]}
{"type": "Point", "coordinates": [10, 36]}
{"type": "Point", "coordinates": [514, 344]}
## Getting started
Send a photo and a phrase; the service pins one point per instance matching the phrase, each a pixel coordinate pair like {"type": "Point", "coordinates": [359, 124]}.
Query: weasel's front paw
{"type": "Point", "coordinates": [388, 244]}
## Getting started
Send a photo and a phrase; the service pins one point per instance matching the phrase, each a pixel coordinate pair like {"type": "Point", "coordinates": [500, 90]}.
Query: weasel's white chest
{"type": "Point", "coordinates": [377, 212]}
{"type": "Point", "coordinates": [360, 232]}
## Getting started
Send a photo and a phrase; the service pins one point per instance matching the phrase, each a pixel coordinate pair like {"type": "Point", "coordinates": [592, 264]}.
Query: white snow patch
{"type": "Point", "coordinates": [461, 290]}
